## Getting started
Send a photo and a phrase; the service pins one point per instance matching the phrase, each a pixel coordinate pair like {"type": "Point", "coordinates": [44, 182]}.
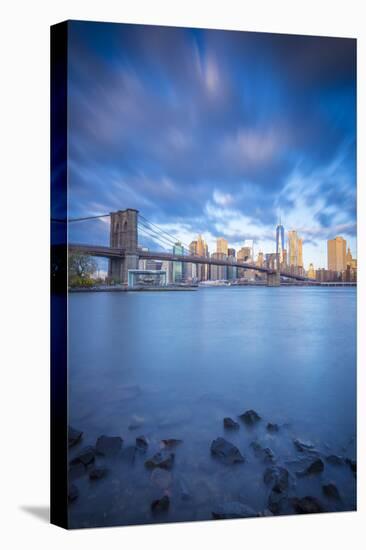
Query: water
{"type": "Point", "coordinates": [181, 362]}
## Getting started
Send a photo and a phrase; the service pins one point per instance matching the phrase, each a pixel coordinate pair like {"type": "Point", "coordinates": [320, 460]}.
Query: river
{"type": "Point", "coordinates": [177, 363]}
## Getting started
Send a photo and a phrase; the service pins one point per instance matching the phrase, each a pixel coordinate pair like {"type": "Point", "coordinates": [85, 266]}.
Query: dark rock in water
{"type": "Point", "coordinates": [272, 428]}
{"type": "Point", "coordinates": [171, 443]}
{"type": "Point", "coordinates": [141, 443]}
{"type": "Point", "coordinates": [278, 477]}
{"type": "Point", "coordinates": [85, 456]}
{"type": "Point", "coordinates": [76, 470]}
{"type": "Point", "coordinates": [161, 504]}
{"type": "Point", "coordinates": [330, 490]}
{"type": "Point", "coordinates": [335, 460]}
{"type": "Point", "coordinates": [303, 446]}
{"type": "Point", "coordinates": [307, 505]}
{"type": "Point", "coordinates": [73, 492]}
{"type": "Point", "coordinates": [74, 436]}
{"type": "Point", "coordinates": [161, 460]}
{"type": "Point", "coordinates": [275, 502]}
{"type": "Point", "coordinates": [108, 445]}
{"type": "Point", "coordinates": [250, 417]}
{"type": "Point", "coordinates": [161, 478]}
{"type": "Point", "coordinates": [230, 424]}
{"type": "Point", "coordinates": [97, 473]}
{"type": "Point", "coordinates": [232, 510]}
{"type": "Point", "coordinates": [315, 467]}
{"type": "Point", "coordinates": [265, 453]}
{"type": "Point", "coordinates": [352, 464]}
{"type": "Point", "coordinates": [226, 451]}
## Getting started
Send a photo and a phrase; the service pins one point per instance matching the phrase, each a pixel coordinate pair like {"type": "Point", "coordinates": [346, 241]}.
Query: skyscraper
{"type": "Point", "coordinates": [178, 249]}
{"type": "Point", "coordinates": [231, 270]}
{"type": "Point", "coordinates": [222, 246]}
{"type": "Point", "coordinates": [292, 248]}
{"type": "Point", "coordinates": [202, 250]}
{"type": "Point", "coordinates": [300, 263]}
{"type": "Point", "coordinates": [280, 242]}
{"type": "Point", "coordinates": [337, 254]}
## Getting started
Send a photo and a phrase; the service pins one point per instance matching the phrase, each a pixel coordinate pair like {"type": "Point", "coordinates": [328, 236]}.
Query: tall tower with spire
{"type": "Point", "coordinates": [280, 242]}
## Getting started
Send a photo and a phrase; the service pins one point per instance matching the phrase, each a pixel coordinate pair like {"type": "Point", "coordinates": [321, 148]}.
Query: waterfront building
{"type": "Point", "coordinates": [218, 272]}
{"type": "Point", "coordinates": [202, 250]}
{"type": "Point", "coordinates": [337, 254]}
{"type": "Point", "coordinates": [311, 272]}
{"type": "Point", "coordinates": [145, 278]}
{"type": "Point", "coordinates": [232, 271]}
{"type": "Point", "coordinates": [177, 276]}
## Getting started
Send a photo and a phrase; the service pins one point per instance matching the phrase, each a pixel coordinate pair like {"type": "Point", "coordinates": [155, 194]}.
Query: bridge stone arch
{"type": "Point", "coordinates": [123, 235]}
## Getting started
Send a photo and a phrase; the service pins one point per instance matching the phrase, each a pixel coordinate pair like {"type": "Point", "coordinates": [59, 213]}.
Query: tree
{"type": "Point", "coordinates": [81, 266]}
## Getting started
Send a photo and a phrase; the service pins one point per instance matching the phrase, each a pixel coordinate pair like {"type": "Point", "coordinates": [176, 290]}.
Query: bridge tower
{"type": "Point", "coordinates": [123, 235]}
{"type": "Point", "coordinates": [274, 278]}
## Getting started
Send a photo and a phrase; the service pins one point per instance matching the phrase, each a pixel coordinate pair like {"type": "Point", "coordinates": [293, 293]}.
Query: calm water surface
{"type": "Point", "coordinates": [181, 362]}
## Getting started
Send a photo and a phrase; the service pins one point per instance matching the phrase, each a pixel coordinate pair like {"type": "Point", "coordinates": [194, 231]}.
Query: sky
{"type": "Point", "coordinates": [220, 133]}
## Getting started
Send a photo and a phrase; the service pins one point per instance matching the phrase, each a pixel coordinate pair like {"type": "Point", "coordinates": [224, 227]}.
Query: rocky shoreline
{"type": "Point", "coordinates": [280, 482]}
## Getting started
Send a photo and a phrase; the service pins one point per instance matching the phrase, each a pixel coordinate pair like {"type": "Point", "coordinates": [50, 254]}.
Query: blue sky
{"type": "Point", "coordinates": [213, 132]}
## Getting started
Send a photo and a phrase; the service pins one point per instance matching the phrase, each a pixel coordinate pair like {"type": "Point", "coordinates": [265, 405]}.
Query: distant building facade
{"type": "Point", "coordinates": [337, 254]}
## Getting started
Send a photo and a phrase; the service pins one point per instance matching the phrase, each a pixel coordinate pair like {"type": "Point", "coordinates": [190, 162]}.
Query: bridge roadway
{"type": "Point", "coordinates": [108, 252]}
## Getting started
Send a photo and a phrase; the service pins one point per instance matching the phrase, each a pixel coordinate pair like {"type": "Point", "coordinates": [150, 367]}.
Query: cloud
{"type": "Point", "coordinates": [213, 132]}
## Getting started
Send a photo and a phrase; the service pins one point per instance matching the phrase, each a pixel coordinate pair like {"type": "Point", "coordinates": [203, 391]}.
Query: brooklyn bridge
{"type": "Point", "coordinates": [124, 252]}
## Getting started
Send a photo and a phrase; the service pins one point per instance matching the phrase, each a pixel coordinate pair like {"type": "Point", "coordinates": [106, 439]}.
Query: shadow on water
{"type": "Point", "coordinates": [40, 512]}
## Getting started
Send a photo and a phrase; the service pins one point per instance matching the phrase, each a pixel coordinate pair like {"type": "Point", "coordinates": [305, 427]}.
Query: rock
{"type": "Point", "coordinates": [276, 501]}
{"type": "Point", "coordinates": [307, 505]}
{"type": "Point", "coordinates": [161, 478]}
{"type": "Point", "coordinates": [250, 417]}
{"type": "Point", "coordinates": [226, 451]}
{"type": "Point", "coordinates": [85, 456]}
{"type": "Point", "coordinates": [232, 510]}
{"type": "Point", "coordinates": [265, 453]}
{"type": "Point", "coordinates": [278, 477]}
{"type": "Point", "coordinates": [330, 490]}
{"type": "Point", "coordinates": [73, 492]}
{"type": "Point", "coordinates": [171, 443]}
{"type": "Point", "coordinates": [161, 504]}
{"type": "Point", "coordinates": [335, 460]}
{"type": "Point", "coordinates": [230, 424]}
{"type": "Point", "coordinates": [315, 467]}
{"type": "Point", "coordinates": [142, 443]}
{"type": "Point", "coordinates": [108, 445]}
{"type": "Point", "coordinates": [160, 460]}
{"type": "Point", "coordinates": [303, 446]}
{"type": "Point", "coordinates": [74, 436]}
{"type": "Point", "coordinates": [97, 473]}
{"type": "Point", "coordinates": [352, 464]}
{"type": "Point", "coordinates": [272, 428]}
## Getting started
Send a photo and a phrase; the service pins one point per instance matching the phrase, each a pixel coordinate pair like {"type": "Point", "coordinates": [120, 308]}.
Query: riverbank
{"type": "Point", "coordinates": [129, 289]}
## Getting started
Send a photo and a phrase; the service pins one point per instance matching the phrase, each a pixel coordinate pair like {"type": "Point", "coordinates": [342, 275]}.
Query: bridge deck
{"type": "Point", "coordinates": [108, 252]}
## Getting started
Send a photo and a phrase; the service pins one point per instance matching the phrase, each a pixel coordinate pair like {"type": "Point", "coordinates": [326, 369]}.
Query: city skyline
{"type": "Point", "coordinates": [218, 133]}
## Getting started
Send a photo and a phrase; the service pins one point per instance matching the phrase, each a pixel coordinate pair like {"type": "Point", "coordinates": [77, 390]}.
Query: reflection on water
{"type": "Point", "coordinates": [174, 364]}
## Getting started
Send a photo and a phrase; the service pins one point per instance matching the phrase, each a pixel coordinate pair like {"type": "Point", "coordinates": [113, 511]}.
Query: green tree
{"type": "Point", "coordinates": [81, 267]}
